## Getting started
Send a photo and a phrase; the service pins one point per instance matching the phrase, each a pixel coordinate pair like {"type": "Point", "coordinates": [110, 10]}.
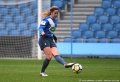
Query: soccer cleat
{"type": "Point", "coordinates": [67, 65]}
{"type": "Point", "coordinates": [43, 74]}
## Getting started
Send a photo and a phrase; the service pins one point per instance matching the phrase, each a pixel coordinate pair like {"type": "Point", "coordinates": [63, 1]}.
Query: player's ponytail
{"type": "Point", "coordinates": [47, 13]}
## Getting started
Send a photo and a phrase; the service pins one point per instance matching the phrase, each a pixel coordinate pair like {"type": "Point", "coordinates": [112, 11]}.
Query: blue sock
{"type": "Point", "coordinates": [45, 64]}
{"type": "Point", "coordinates": [59, 59]}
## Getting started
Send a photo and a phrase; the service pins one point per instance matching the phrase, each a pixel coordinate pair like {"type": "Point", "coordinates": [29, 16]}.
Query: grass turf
{"type": "Point", "coordinates": [94, 70]}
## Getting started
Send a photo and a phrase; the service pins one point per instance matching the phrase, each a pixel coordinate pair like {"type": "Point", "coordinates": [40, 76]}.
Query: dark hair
{"type": "Point", "coordinates": [52, 9]}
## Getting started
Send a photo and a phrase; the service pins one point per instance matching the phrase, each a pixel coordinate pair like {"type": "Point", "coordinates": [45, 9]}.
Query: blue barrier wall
{"type": "Point", "coordinates": [89, 48]}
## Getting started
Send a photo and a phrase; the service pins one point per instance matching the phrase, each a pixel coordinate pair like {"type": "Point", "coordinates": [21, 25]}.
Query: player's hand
{"type": "Point", "coordinates": [55, 38]}
{"type": "Point", "coordinates": [45, 35]}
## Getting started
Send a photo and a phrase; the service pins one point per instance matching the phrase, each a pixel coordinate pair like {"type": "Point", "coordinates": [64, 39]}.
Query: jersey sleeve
{"type": "Point", "coordinates": [42, 25]}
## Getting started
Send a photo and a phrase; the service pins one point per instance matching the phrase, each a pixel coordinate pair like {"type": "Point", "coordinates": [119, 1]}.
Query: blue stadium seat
{"type": "Point", "coordinates": [30, 19]}
{"type": "Point", "coordinates": [22, 26]}
{"type": "Point", "coordinates": [33, 26]}
{"type": "Point", "coordinates": [91, 19]}
{"type": "Point", "coordinates": [65, 1]}
{"type": "Point", "coordinates": [83, 26]}
{"type": "Point", "coordinates": [116, 4]}
{"type": "Point", "coordinates": [26, 11]}
{"type": "Point", "coordinates": [114, 19]}
{"type": "Point", "coordinates": [95, 27]}
{"type": "Point", "coordinates": [3, 33]}
{"type": "Point", "coordinates": [106, 4]}
{"type": "Point", "coordinates": [104, 40]}
{"type": "Point", "coordinates": [23, 5]}
{"type": "Point", "coordinates": [14, 33]}
{"type": "Point", "coordinates": [98, 11]}
{"type": "Point", "coordinates": [118, 11]}
{"type": "Point", "coordinates": [7, 19]}
{"type": "Point", "coordinates": [26, 33]}
{"type": "Point", "coordinates": [112, 34]}
{"type": "Point", "coordinates": [117, 27]}
{"type": "Point", "coordinates": [1, 18]}
{"type": "Point", "coordinates": [2, 6]}
{"type": "Point", "coordinates": [57, 3]}
{"type": "Point", "coordinates": [34, 32]}
{"type": "Point", "coordinates": [91, 40]}
{"type": "Point", "coordinates": [79, 40]}
{"type": "Point", "coordinates": [76, 34]}
{"type": "Point", "coordinates": [33, 4]}
{"type": "Point", "coordinates": [11, 6]}
{"type": "Point", "coordinates": [88, 34]}
{"type": "Point", "coordinates": [15, 11]}
{"type": "Point", "coordinates": [35, 11]}
{"type": "Point", "coordinates": [2, 26]}
{"type": "Point", "coordinates": [10, 0]}
{"type": "Point", "coordinates": [103, 19]}
{"type": "Point", "coordinates": [107, 26]}
{"type": "Point", "coordinates": [118, 34]}
{"type": "Point", "coordinates": [100, 34]}
{"type": "Point", "coordinates": [3, 11]}
{"type": "Point", "coordinates": [67, 39]}
{"type": "Point", "coordinates": [11, 26]}
{"type": "Point", "coordinates": [110, 11]}
{"type": "Point", "coordinates": [19, 19]}
{"type": "Point", "coordinates": [115, 40]}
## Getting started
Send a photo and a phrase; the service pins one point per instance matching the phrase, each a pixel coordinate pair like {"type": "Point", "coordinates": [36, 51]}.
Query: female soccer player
{"type": "Point", "coordinates": [46, 29]}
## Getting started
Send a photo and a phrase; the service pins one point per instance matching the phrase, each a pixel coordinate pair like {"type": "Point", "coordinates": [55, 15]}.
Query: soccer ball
{"type": "Point", "coordinates": [77, 68]}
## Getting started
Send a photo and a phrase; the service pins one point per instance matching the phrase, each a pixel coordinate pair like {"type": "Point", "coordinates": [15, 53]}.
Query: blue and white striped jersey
{"type": "Point", "coordinates": [46, 24]}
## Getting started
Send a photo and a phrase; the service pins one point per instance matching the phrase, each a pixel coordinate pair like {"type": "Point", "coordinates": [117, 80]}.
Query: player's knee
{"type": "Point", "coordinates": [49, 57]}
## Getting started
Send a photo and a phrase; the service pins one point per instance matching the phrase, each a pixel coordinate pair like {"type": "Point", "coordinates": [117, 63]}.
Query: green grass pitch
{"type": "Point", "coordinates": [94, 70]}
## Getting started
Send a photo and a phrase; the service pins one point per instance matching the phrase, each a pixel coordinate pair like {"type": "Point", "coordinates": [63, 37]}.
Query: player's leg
{"type": "Point", "coordinates": [45, 46]}
{"type": "Point", "coordinates": [48, 54]}
{"type": "Point", "coordinates": [59, 59]}
{"type": "Point", "coordinates": [57, 56]}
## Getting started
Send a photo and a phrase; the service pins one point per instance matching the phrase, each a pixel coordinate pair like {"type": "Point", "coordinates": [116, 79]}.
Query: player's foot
{"type": "Point", "coordinates": [67, 65]}
{"type": "Point", "coordinates": [43, 74]}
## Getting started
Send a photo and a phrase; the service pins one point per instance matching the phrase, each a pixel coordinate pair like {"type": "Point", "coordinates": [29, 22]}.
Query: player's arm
{"type": "Point", "coordinates": [42, 26]}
